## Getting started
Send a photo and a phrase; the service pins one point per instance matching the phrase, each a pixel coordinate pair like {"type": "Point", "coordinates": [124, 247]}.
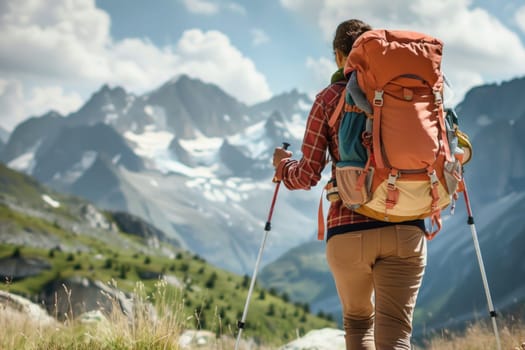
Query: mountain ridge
{"type": "Point", "coordinates": [184, 140]}
{"type": "Point", "coordinates": [211, 189]}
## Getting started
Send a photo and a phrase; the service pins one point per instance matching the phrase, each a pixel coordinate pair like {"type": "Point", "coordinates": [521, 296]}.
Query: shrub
{"type": "Point", "coordinates": [16, 253]}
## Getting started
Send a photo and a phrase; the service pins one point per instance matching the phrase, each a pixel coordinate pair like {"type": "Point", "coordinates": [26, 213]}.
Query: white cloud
{"type": "Point", "coordinates": [201, 7]}
{"type": "Point", "coordinates": [65, 51]}
{"type": "Point", "coordinates": [478, 47]}
{"type": "Point", "coordinates": [319, 72]}
{"type": "Point", "coordinates": [16, 104]}
{"type": "Point", "coordinates": [520, 18]}
{"type": "Point", "coordinates": [235, 7]}
{"type": "Point", "coordinates": [307, 8]}
{"type": "Point", "coordinates": [60, 40]}
{"type": "Point", "coordinates": [63, 102]}
{"type": "Point", "coordinates": [259, 37]}
{"type": "Point", "coordinates": [11, 103]}
{"type": "Point", "coordinates": [211, 57]}
{"type": "Point", "coordinates": [209, 8]}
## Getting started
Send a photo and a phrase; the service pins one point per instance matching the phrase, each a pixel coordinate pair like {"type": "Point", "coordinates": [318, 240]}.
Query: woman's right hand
{"type": "Point", "coordinates": [279, 154]}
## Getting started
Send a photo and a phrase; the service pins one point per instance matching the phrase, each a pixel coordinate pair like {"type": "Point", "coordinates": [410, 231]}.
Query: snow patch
{"type": "Point", "coordinates": [110, 107]}
{"type": "Point", "coordinates": [153, 145]}
{"type": "Point", "coordinates": [304, 105]}
{"type": "Point", "coordinates": [232, 190]}
{"type": "Point", "coordinates": [148, 109]}
{"type": "Point", "coordinates": [111, 118]}
{"type": "Point", "coordinates": [297, 126]}
{"type": "Point", "coordinates": [78, 169]}
{"type": "Point", "coordinates": [129, 103]}
{"type": "Point", "coordinates": [165, 162]}
{"type": "Point", "coordinates": [158, 114]}
{"type": "Point", "coordinates": [203, 149]}
{"type": "Point", "coordinates": [150, 143]}
{"type": "Point", "coordinates": [50, 201]}
{"type": "Point", "coordinates": [24, 163]}
{"type": "Point", "coordinates": [116, 158]}
{"type": "Point", "coordinates": [252, 139]}
{"type": "Point", "coordinates": [320, 339]}
{"type": "Point", "coordinates": [483, 120]}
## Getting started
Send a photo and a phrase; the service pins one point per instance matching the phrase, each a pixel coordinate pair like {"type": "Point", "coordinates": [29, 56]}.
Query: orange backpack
{"type": "Point", "coordinates": [406, 163]}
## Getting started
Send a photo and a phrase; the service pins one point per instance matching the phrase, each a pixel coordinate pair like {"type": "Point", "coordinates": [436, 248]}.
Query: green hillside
{"type": "Point", "coordinates": [66, 243]}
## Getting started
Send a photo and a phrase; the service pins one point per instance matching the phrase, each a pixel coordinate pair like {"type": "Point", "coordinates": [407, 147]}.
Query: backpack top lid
{"type": "Point", "coordinates": [380, 56]}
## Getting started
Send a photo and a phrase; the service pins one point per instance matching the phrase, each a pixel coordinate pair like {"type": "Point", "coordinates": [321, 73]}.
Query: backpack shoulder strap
{"type": "Point", "coordinates": [343, 106]}
{"type": "Point", "coordinates": [338, 110]}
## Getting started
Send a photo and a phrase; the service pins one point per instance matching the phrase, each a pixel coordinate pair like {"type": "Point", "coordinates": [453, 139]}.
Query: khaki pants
{"type": "Point", "coordinates": [377, 274]}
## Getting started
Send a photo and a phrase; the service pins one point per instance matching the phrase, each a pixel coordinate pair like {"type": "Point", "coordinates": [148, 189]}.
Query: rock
{"type": "Point", "coordinates": [321, 339]}
{"type": "Point", "coordinates": [11, 304]}
{"type": "Point", "coordinates": [94, 316]}
{"type": "Point", "coordinates": [72, 297]}
{"type": "Point", "coordinates": [95, 218]}
{"type": "Point", "coordinates": [17, 268]}
{"type": "Point", "coordinates": [191, 339]}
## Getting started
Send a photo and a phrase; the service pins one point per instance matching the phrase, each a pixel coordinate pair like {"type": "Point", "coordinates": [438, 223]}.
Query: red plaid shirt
{"type": "Point", "coordinates": [305, 173]}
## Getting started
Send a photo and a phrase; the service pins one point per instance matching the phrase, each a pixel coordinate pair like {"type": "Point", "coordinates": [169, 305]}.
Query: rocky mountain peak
{"type": "Point", "coordinates": [107, 105]}
{"type": "Point", "coordinates": [492, 103]}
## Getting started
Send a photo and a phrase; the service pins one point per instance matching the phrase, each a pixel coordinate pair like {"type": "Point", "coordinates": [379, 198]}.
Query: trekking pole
{"type": "Point", "coordinates": [492, 312]}
{"type": "Point", "coordinates": [267, 229]}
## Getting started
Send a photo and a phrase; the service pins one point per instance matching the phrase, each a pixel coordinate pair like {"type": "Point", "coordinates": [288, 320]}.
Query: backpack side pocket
{"type": "Point", "coordinates": [353, 189]}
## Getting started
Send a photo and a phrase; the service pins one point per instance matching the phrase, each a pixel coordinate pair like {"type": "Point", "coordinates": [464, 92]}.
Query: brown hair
{"type": "Point", "coordinates": [346, 34]}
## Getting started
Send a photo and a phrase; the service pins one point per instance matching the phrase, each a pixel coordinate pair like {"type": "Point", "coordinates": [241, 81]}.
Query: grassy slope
{"type": "Point", "coordinates": [212, 298]}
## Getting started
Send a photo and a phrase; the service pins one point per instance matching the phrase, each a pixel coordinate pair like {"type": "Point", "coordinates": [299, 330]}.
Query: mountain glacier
{"type": "Point", "coordinates": [186, 157]}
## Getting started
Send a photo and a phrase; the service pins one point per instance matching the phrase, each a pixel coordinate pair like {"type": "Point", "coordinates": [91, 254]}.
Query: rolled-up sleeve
{"type": "Point", "coordinates": [319, 140]}
{"type": "Point", "coordinates": [306, 172]}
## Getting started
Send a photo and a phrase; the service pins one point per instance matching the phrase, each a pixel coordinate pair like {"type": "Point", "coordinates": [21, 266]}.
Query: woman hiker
{"type": "Point", "coordinates": [377, 266]}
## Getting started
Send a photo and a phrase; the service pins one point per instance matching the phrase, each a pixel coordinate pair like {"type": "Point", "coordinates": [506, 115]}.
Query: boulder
{"type": "Point", "coordinates": [12, 305]}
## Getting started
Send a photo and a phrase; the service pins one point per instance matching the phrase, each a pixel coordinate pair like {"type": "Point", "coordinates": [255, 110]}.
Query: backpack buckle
{"type": "Point", "coordinates": [434, 180]}
{"type": "Point", "coordinates": [392, 178]}
{"type": "Point", "coordinates": [392, 195]}
{"type": "Point", "coordinates": [438, 99]}
{"type": "Point", "coordinates": [378, 98]}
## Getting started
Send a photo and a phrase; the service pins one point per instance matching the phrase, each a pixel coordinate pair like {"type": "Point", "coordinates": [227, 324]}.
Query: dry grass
{"type": "Point", "coordinates": [147, 329]}
{"type": "Point", "coordinates": [142, 330]}
{"type": "Point", "coordinates": [164, 329]}
{"type": "Point", "coordinates": [480, 336]}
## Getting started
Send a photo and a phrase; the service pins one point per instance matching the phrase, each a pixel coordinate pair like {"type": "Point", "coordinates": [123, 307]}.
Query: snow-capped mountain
{"type": "Point", "coordinates": [186, 157]}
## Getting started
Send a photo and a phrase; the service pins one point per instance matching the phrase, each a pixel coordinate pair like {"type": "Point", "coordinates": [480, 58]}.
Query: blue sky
{"type": "Point", "coordinates": [54, 54]}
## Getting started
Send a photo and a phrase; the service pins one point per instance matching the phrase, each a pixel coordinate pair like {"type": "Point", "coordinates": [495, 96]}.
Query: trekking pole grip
{"type": "Point", "coordinates": [286, 145]}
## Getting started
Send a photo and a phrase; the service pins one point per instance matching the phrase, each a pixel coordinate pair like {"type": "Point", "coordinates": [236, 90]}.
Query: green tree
{"type": "Point", "coordinates": [271, 310]}
{"type": "Point", "coordinates": [245, 281]}
{"type": "Point", "coordinates": [16, 253]}
{"type": "Point", "coordinates": [108, 264]}
{"type": "Point", "coordinates": [123, 271]}
{"type": "Point", "coordinates": [210, 283]}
